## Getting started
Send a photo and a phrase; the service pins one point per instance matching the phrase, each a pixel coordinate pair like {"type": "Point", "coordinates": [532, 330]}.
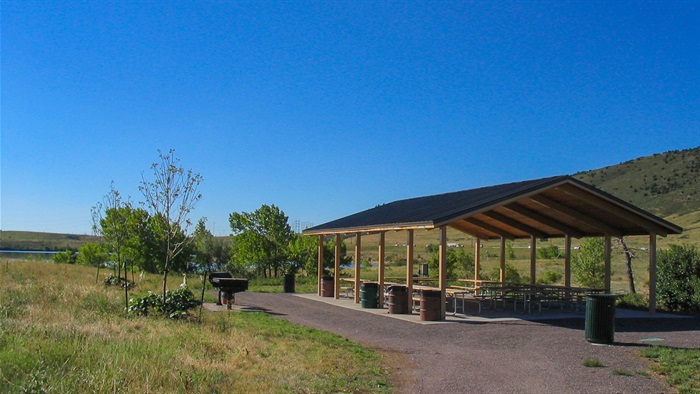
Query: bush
{"type": "Point", "coordinates": [548, 252]}
{"type": "Point", "coordinates": [678, 278]}
{"type": "Point", "coordinates": [588, 265]}
{"type": "Point", "coordinates": [512, 274]}
{"type": "Point", "coordinates": [178, 303]}
{"type": "Point", "coordinates": [634, 301]}
{"type": "Point", "coordinates": [550, 277]}
{"type": "Point", "coordinates": [112, 280]}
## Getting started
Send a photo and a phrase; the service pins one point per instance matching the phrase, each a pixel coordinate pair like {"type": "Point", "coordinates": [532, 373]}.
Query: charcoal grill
{"type": "Point", "coordinates": [228, 286]}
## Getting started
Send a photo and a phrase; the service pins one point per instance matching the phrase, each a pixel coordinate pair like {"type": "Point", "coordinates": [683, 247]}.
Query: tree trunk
{"type": "Point", "coordinates": [628, 261]}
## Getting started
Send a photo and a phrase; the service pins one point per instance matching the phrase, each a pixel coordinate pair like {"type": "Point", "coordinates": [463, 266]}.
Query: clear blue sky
{"type": "Point", "coordinates": [326, 108]}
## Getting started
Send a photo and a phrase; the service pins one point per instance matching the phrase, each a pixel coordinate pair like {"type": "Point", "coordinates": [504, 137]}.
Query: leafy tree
{"type": "Point", "coordinates": [92, 254]}
{"type": "Point", "coordinates": [303, 253]}
{"type": "Point", "coordinates": [261, 240]}
{"type": "Point", "coordinates": [457, 260]}
{"type": "Point", "coordinates": [170, 197]}
{"type": "Point", "coordinates": [329, 255]}
{"type": "Point", "coordinates": [678, 278]}
{"type": "Point", "coordinates": [588, 266]}
{"type": "Point", "coordinates": [65, 257]}
{"type": "Point", "coordinates": [210, 252]}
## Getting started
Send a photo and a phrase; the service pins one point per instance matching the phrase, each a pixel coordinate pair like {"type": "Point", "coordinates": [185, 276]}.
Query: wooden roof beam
{"type": "Point", "coordinates": [546, 220]}
{"type": "Point", "coordinates": [568, 211]}
{"type": "Point", "coordinates": [467, 230]}
{"type": "Point", "coordinates": [515, 224]}
{"type": "Point", "coordinates": [488, 227]}
{"type": "Point", "coordinates": [605, 205]}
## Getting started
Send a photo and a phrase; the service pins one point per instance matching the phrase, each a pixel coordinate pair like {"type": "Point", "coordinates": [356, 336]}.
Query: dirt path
{"type": "Point", "coordinates": [500, 357]}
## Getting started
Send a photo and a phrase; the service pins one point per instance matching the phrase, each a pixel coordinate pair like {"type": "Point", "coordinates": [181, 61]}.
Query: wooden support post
{"type": "Point", "coordinates": [608, 258]}
{"type": "Point", "coordinates": [567, 260]}
{"type": "Point", "coordinates": [380, 273]}
{"type": "Point", "coordinates": [336, 272]}
{"type": "Point", "coordinates": [477, 258]}
{"type": "Point", "coordinates": [320, 262]}
{"type": "Point", "coordinates": [443, 270]}
{"type": "Point", "coordinates": [533, 259]}
{"type": "Point", "coordinates": [652, 273]}
{"type": "Point", "coordinates": [358, 264]}
{"type": "Point", "coordinates": [502, 277]}
{"type": "Point", "coordinates": [409, 263]}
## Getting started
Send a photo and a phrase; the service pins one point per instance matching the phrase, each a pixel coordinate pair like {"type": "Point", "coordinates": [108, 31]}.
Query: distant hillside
{"type": "Point", "coordinates": [27, 240]}
{"type": "Point", "coordinates": [663, 184]}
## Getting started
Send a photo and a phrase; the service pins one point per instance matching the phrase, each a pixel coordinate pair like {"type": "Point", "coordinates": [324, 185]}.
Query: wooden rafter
{"type": "Point", "coordinates": [568, 211]}
{"type": "Point", "coordinates": [510, 222]}
{"type": "Point", "coordinates": [547, 221]}
{"type": "Point", "coordinates": [502, 233]}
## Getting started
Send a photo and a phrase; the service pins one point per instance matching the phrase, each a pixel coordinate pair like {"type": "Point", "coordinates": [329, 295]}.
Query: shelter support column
{"type": "Point", "coordinates": [502, 278]}
{"type": "Point", "coordinates": [336, 269]}
{"type": "Point", "coordinates": [608, 258]}
{"type": "Point", "coordinates": [358, 264]}
{"type": "Point", "coordinates": [533, 259]}
{"type": "Point", "coordinates": [567, 260]}
{"type": "Point", "coordinates": [652, 273]}
{"type": "Point", "coordinates": [380, 270]}
{"type": "Point", "coordinates": [320, 262]}
{"type": "Point", "coordinates": [477, 258]}
{"type": "Point", "coordinates": [443, 270]}
{"type": "Point", "coordinates": [409, 262]}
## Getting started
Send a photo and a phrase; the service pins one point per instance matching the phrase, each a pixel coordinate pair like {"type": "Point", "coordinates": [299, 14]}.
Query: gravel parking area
{"type": "Point", "coordinates": [492, 356]}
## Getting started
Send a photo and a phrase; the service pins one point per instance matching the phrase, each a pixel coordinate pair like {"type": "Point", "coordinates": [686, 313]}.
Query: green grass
{"type": "Point", "coordinates": [592, 363]}
{"type": "Point", "coordinates": [61, 332]}
{"type": "Point", "coordinates": [680, 366]}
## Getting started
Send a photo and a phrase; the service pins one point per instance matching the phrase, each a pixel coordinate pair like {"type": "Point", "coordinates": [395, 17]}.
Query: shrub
{"type": "Point", "coordinates": [112, 280]}
{"type": "Point", "coordinates": [550, 277]}
{"type": "Point", "coordinates": [588, 265]}
{"type": "Point", "coordinates": [678, 278]}
{"type": "Point", "coordinates": [634, 301]}
{"type": "Point", "coordinates": [548, 252]}
{"type": "Point", "coordinates": [176, 306]}
{"type": "Point", "coordinates": [512, 274]}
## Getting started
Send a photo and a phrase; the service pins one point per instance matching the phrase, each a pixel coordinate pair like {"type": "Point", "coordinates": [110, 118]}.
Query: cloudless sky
{"type": "Point", "coordinates": [326, 108]}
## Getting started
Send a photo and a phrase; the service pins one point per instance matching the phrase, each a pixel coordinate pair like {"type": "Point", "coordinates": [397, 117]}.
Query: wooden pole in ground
{"type": "Point", "coordinates": [503, 260]}
{"type": "Point", "coordinates": [443, 270]}
{"type": "Point", "coordinates": [358, 264]}
{"type": "Point", "coordinates": [336, 273]}
{"type": "Point", "coordinates": [567, 260]}
{"type": "Point", "coordinates": [652, 273]}
{"type": "Point", "coordinates": [477, 258]}
{"type": "Point", "coordinates": [409, 263]}
{"type": "Point", "coordinates": [608, 258]}
{"type": "Point", "coordinates": [533, 259]}
{"type": "Point", "coordinates": [380, 273]}
{"type": "Point", "coordinates": [320, 262]}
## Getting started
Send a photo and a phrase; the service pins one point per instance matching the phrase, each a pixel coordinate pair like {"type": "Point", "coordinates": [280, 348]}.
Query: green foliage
{"type": "Point", "coordinates": [512, 274]}
{"type": "Point", "coordinates": [112, 280]}
{"type": "Point", "coordinates": [92, 254]}
{"type": "Point", "coordinates": [680, 366]}
{"type": "Point", "coordinates": [634, 301]}
{"type": "Point", "coordinates": [548, 252]}
{"type": "Point", "coordinates": [261, 241]}
{"type": "Point", "coordinates": [678, 278]}
{"type": "Point", "coordinates": [549, 277]}
{"type": "Point", "coordinates": [65, 257]}
{"type": "Point", "coordinates": [303, 253]}
{"type": "Point", "coordinates": [588, 266]}
{"type": "Point", "coordinates": [459, 262]}
{"type": "Point", "coordinates": [593, 363]}
{"type": "Point", "coordinates": [329, 255]}
{"type": "Point", "coordinates": [178, 303]}
{"type": "Point", "coordinates": [210, 253]}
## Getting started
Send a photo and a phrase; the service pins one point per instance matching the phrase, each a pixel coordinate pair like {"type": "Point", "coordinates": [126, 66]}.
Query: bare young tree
{"type": "Point", "coordinates": [629, 255]}
{"type": "Point", "coordinates": [170, 196]}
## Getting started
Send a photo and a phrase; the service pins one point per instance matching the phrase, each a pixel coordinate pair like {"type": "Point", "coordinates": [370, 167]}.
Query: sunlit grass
{"type": "Point", "coordinates": [680, 366]}
{"type": "Point", "coordinates": [61, 332]}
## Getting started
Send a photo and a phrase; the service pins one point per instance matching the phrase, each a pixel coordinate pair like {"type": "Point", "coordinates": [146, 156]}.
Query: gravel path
{"type": "Point", "coordinates": [498, 357]}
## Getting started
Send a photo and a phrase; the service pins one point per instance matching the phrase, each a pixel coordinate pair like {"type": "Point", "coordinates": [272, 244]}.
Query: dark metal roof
{"type": "Point", "coordinates": [548, 207]}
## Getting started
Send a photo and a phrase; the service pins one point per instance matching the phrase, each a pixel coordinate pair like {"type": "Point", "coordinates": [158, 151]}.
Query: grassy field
{"type": "Point", "coordinates": [60, 332]}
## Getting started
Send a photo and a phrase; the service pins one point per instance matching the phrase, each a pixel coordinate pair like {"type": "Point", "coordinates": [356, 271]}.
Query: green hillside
{"type": "Point", "coordinates": [28, 240]}
{"type": "Point", "coordinates": [663, 184]}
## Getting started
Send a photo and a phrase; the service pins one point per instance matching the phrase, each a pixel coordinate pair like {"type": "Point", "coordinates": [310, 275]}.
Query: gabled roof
{"type": "Point", "coordinates": [545, 208]}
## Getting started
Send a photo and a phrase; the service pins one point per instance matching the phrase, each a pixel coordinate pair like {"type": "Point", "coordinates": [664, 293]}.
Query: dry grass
{"type": "Point", "coordinates": [61, 332]}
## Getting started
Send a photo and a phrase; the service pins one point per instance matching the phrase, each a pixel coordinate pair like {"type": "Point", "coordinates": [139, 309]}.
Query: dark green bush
{"type": "Point", "coordinates": [634, 301]}
{"type": "Point", "coordinates": [549, 277]}
{"type": "Point", "coordinates": [176, 306]}
{"type": "Point", "coordinates": [678, 278]}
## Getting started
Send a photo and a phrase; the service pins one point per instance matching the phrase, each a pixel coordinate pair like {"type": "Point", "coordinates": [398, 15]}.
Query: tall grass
{"type": "Point", "coordinates": [61, 332]}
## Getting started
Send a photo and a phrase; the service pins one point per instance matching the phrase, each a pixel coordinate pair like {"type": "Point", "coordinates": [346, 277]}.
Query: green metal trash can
{"type": "Point", "coordinates": [289, 283]}
{"type": "Point", "coordinates": [600, 318]}
{"type": "Point", "coordinates": [368, 295]}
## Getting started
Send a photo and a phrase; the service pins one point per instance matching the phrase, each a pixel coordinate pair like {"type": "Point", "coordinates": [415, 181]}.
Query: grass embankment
{"type": "Point", "coordinates": [680, 366]}
{"type": "Point", "coordinates": [61, 332]}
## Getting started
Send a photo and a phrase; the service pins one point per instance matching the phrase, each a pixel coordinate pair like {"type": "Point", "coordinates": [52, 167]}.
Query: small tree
{"type": "Point", "coordinates": [588, 265]}
{"type": "Point", "coordinates": [171, 196]}
{"type": "Point", "coordinates": [678, 278]}
{"type": "Point", "coordinates": [303, 253]}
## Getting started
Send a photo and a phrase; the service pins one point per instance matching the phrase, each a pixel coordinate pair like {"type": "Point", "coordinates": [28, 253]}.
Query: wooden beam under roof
{"type": "Point", "coordinates": [568, 211]}
{"type": "Point", "coordinates": [605, 204]}
{"type": "Point", "coordinates": [515, 224]}
{"type": "Point", "coordinates": [493, 229]}
{"type": "Point", "coordinates": [462, 226]}
{"type": "Point", "coordinates": [546, 220]}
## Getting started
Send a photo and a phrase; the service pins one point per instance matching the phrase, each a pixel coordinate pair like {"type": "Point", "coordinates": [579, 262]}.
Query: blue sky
{"type": "Point", "coordinates": [326, 108]}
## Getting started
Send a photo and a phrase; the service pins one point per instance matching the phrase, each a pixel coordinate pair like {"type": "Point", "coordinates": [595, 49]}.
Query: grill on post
{"type": "Point", "coordinates": [228, 286]}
